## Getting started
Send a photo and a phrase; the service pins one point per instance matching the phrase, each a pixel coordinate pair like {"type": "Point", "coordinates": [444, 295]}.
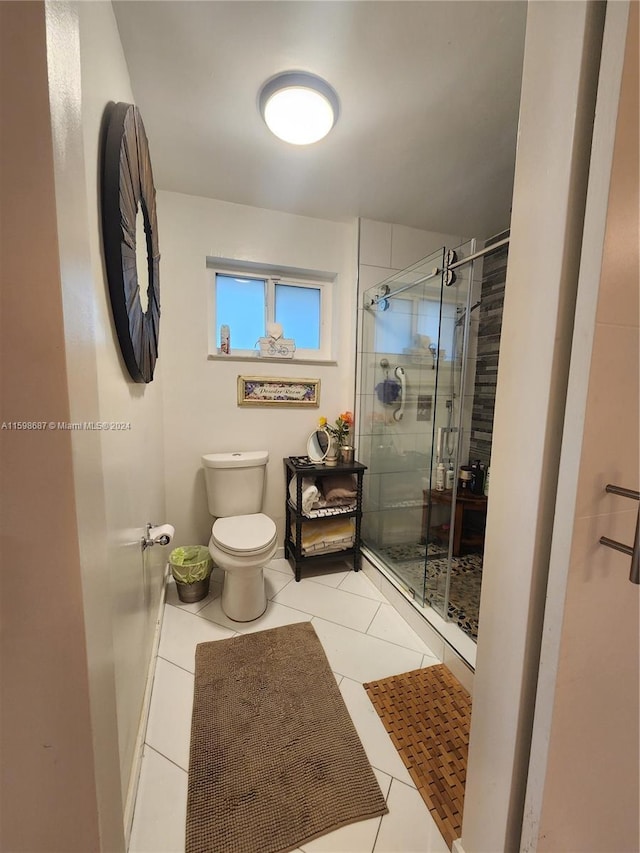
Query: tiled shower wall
{"type": "Point", "coordinates": [489, 328]}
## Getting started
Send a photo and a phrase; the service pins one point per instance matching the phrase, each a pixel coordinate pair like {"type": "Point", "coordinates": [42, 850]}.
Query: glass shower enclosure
{"type": "Point", "coordinates": [413, 416]}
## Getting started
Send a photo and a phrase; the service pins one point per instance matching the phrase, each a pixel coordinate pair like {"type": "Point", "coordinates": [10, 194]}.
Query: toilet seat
{"type": "Point", "coordinates": [244, 535]}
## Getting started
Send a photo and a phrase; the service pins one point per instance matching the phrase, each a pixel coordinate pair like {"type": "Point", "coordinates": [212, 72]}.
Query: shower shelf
{"type": "Point", "coordinates": [463, 538]}
{"type": "Point", "coordinates": [295, 518]}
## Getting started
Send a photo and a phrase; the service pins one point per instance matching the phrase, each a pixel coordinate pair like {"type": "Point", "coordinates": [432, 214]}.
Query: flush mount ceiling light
{"type": "Point", "coordinates": [298, 107]}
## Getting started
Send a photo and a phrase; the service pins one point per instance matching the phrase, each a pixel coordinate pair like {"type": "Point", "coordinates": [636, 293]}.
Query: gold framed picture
{"type": "Point", "coordinates": [273, 391]}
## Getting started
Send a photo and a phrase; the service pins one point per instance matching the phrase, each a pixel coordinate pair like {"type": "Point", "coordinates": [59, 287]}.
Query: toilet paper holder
{"type": "Point", "coordinates": [155, 537]}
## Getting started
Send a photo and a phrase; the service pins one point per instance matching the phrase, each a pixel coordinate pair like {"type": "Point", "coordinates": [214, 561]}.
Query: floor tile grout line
{"type": "Point", "coordinates": [359, 630]}
{"type": "Point", "coordinates": [345, 592]}
{"type": "Point", "coordinates": [352, 679]}
{"type": "Point", "coordinates": [375, 840]}
{"type": "Point", "coordinates": [372, 618]}
{"type": "Point", "coordinates": [286, 571]}
{"type": "Point", "coordinates": [381, 639]}
{"type": "Point", "coordinates": [335, 672]}
{"type": "Point", "coordinates": [384, 773]}
{"type": "Point", "coordinates": [360, 594]}
{"type": "Point", "coordinates": [348, 592]}
{"type": "Point", "coordinates": [198, 614]}
{"type": "Point", "coordinates": [270, 598]}
{"type": "Point", "coordinates": [314, 580]}
{"type": "Point", "coordinates": [166, 758]}
{"type": "Point", "coordinates": [242, 633]}
{"type": "Point", "coordinates": [217, 624]}
{"type": "Point", "coordinates": [429, 653]}
{"type": "Point", "coordinates": [178, 606]}
{"type": "Point", "coordinates": [340, 624]}
{"type": "Point", "coordinates": [177, 665]}
{"type": "Point", "coordinates": [393, 778]}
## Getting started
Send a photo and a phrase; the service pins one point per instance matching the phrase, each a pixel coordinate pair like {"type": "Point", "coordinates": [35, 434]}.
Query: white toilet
{"type": "Point", "coordinates": [243, 539]}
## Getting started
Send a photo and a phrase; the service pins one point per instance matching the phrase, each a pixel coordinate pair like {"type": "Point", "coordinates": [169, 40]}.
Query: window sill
{"type": "Point", "coordinates": [258, 358]}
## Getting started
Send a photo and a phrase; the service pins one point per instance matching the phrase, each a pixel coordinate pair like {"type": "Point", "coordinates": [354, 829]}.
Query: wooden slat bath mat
{"type": "Point", "coordinates": [427, 713]}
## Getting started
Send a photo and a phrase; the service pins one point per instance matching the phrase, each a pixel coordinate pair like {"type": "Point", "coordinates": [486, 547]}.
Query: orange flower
{"type": "Point", "coordinates": [340, 431]}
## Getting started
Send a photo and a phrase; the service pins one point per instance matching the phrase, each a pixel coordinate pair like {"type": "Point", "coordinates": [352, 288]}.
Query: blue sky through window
{"type": "Point", "coordinates": [240, 304]}
{"type": "Point", "coordinates": [298, 310]}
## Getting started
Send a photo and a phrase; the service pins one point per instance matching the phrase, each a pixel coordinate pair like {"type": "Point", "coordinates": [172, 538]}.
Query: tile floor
{"type": "Point", "coordinates": [364, 639]}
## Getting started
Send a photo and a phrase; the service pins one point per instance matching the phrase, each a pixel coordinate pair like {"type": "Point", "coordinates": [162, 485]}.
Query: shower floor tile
{"type": "Point", "coordinates": [407, 561]}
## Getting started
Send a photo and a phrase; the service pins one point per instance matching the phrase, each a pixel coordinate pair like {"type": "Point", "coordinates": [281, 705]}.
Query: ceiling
{"type": "Point", "coordinates": [429, 95]}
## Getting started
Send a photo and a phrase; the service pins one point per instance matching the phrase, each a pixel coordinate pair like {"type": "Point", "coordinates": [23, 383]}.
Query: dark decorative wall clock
{"type": "Point", "coordinates": [127, 185]}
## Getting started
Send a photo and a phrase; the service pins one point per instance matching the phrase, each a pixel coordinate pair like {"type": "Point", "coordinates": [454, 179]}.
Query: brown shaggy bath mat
{"type": "Point", "coordinates": [275, 759]}
{"type": "Point", "coordinates": [427, 714]}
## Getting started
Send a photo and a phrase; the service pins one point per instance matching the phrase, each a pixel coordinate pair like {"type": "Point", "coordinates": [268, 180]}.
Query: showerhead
{"type": "Point", "coordinates": [433, 350]}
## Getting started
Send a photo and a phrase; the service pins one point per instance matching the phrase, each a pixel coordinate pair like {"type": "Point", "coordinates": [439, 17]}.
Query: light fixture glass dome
{"type": "Point", "coordinates": [298, 107]}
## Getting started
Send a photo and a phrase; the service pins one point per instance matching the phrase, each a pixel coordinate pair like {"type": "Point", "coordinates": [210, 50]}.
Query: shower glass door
{"type": "Point", "coordinates": [412, 358]}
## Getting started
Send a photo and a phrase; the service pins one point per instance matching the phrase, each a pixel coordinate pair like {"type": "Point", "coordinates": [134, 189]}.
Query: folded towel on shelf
{"type": "Point", "coordinates": [339, 487]}
{"type": "Point", "coordinates": [337, 501]}
{"type": "Point", "coordinates": [328, 534]}
{"type": "Point", "coordinates": [322, 509]}
{"type": "Point", "coordinates": [310, 493]}
{"type": "Point", "coordinates": [328, 548]}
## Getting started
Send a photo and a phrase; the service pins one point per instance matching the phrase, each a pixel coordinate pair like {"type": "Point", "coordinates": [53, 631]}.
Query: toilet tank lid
{"type": "Point", "coordinates": [236, 459]}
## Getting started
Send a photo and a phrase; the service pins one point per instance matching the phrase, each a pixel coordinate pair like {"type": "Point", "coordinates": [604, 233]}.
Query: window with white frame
{"type": "Point", "coordinates": [409, 316]}
{"type": "Point", "coordinates": [247, 302]}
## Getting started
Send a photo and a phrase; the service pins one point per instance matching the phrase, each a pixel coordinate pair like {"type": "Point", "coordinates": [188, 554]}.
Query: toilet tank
{"type": "Point", "coordinates": [235, 481]}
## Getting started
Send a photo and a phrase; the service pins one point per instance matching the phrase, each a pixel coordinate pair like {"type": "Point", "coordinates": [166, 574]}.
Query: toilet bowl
{"type": "Point", "coordinates": [241, 546]}
{"type": "Point", "coordinates": [243, 539]}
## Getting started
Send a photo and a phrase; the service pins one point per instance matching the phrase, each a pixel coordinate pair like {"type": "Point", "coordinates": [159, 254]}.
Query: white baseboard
{"type": "Point", "coordinates": [457, 846]}
{"type": "Point", "coordinates": [134, 778]}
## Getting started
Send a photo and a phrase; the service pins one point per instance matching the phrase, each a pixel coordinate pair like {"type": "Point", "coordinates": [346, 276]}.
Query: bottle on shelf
{"type": "Point", "coordinates": [450, 476]}
{"type": "Point", "coordinates": [486, 481]}
{"type": "Point", "coordinates": [440, 475]}
{"type": "Point", "coordinates": [477, 482]}
{"type": "Point", "coordinates": [465, 478]}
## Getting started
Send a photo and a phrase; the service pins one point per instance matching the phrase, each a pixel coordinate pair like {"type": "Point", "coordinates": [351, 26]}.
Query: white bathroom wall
{"type": "Point", "coordinates": [584, 778]}
{"type": "Point", "coordinates": [561, 64]}
{"type": "Point", "coordinates": [386, 248]}
{"type": "Point", "coordinates": [132, 459]}
{"type": "Point", "coordinates": [201, 414]}
{"type": "Point", "coordinates": [49, 779]}
{"type": "Point", "coordinates": [80, 622]}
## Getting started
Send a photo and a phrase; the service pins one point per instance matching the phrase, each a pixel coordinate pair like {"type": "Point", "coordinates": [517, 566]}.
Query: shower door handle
{"type": "Point", "coordinates": [631, 551]}
{"type": "Point", "coordinates": [399, 412]}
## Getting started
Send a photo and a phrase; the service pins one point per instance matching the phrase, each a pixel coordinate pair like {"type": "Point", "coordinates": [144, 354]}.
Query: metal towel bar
{"type": "Point", "coordinates": [633, 552]}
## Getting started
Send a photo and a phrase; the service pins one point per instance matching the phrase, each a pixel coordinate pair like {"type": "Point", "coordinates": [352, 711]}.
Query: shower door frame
{"type": "Point", "coordinates": [424, 598]}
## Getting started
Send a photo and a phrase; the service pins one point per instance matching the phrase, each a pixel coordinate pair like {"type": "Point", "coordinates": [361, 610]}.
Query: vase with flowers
{"type": "Point", "coordinates": [340, 438]}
